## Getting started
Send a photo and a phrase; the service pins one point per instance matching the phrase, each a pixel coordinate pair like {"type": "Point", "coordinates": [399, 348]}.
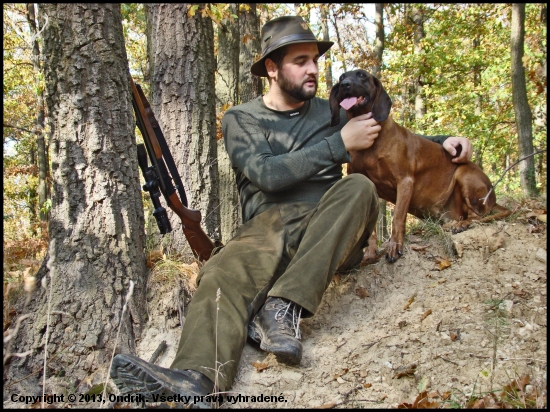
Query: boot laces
{"type": "Point", "coordinates": [294, 311]}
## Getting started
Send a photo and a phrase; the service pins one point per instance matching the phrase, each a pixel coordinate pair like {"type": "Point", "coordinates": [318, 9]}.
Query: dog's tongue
{"type": "Point", "coordinates": [349, 102]}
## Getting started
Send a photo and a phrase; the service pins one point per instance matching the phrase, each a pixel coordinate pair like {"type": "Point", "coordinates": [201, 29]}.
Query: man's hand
{"type": "Point", "coordinates": [451, 145]}
{"type": "Point", "coordinates": [359, 133]}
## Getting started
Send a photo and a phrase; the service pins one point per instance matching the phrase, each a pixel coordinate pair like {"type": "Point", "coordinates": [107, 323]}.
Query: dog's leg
{"type": "Point", "coordinates": [404, 193]}
{"type": "Point", "coordinates": [370, 251]}
{"type": "Point", "coordinates": [477, 205]}
{"type": "Point", "coordinates": [500, 212]}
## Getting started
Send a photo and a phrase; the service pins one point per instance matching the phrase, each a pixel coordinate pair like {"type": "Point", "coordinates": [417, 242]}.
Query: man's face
{"type": "Point", "coordinates": [298, 75]}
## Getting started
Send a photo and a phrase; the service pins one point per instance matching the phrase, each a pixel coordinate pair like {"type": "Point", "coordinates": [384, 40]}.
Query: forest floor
{"type": "Point", "coordinates": [460, 320]}
{"type": "Point", "coordinates": [458, 316]}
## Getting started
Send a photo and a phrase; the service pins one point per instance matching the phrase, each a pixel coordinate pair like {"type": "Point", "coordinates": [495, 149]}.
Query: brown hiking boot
{"type": "Point", "coordinates": [135, 376]}
{"type": "Point", "coordinates": [277, 328]}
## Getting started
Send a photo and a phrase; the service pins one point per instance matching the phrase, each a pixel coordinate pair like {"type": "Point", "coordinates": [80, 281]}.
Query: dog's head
{"type": "Point", "coordinates": [361, 93]}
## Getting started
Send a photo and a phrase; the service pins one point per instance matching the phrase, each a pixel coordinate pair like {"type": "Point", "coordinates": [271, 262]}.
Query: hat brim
{"type": "Point", "coordinates": [258, 68]}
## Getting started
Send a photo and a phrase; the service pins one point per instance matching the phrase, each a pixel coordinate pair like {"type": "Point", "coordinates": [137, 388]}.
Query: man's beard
{"type": "Point", "coordinates": [296, 91]}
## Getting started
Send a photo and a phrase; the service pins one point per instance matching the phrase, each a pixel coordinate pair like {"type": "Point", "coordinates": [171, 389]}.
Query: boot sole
{"type": "Point", "coordinates": [292, 357]}
{"type": "Point", "coordinates": [135, 376]}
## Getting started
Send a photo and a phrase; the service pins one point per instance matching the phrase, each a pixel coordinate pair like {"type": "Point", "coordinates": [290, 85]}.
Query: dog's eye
{"type": "Point", "coordinates": [361, 74]}
{"type": "Point", "coordinates": [341, 78]}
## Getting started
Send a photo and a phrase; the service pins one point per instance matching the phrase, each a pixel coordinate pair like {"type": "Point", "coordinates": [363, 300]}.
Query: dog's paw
{"type": "Point", "coordinates": [460, 227]}
{"type": "Point", "coordinates": [393, 255]}
{"type": "Point", "coordinates": [390, 259]}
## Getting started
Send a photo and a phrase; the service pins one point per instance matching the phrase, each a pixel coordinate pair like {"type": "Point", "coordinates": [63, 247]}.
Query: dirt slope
{"type": "Point", "coordinates": [467, 328]}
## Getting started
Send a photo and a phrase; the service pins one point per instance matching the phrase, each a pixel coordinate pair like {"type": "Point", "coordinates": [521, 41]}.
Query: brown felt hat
{"type": "Point", "coordinates": [281, 31]}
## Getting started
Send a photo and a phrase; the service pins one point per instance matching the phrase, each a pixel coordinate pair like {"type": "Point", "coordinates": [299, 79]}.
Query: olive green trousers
{"type": "Point", "coordinates": [290, 251]}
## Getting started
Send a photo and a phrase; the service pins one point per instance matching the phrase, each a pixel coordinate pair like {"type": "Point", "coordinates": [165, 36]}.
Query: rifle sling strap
{"type": "Point", "coordinates": [169, 160]}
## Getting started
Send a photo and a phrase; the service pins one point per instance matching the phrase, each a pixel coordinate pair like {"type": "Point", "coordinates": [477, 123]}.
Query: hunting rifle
{"type": "Point", "coordinates": [158, 177]}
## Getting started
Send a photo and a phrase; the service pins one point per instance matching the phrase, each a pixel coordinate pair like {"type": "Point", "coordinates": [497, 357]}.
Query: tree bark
{"type": "Point", "coordinates": [183, 100]}
{"type": "Point", "coordinates": [250, 86]}
{"type": "Point", "coordinates": [39, 131]}
{"type": "Point", "coordinates": [227, 74]}
{"type": "Point", "coordinates": [96, 226]}
{"type": "Point", "coordinates": [521, 104]}
{"type": "Point", "coordinates": [379, 41]}
{"type": "Point", "coordinates": [227, 80]}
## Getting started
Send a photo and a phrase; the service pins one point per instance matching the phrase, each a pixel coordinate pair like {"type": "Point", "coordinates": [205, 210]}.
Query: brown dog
{"type": "Point", "coordinates": [412, 172]}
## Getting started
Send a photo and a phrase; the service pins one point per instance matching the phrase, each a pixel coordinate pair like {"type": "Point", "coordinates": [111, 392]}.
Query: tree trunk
{"type": "Point", "coordinates": [379, 41]}
{"type": "Point", "coordinates": [183, 100]}
{"type": "Point", "coordinates": [250, 86]}
{"type": "Point", "coordinates": [96, 227]}
{"type": "Point", "coordinates": [32, 198]}
{"type": "Point", "coordinates": [419, 104]}
{"type": "Point", "coordinates": [340, 43]}
{"type": "Point", "coordinates": [521, 105]}
{"type": "Point", "coordinates": [42, 159]}
{"type": "Point", "coordinates": [376, 71]}
{"type": "Point", "coordinates": [149, 68]}
{"type": "Point", "coordinates": [477, 86]}
{"type": "Point", "coordinates": [227, 80]}
{"type": "Point", "coordinates": [326, 37]}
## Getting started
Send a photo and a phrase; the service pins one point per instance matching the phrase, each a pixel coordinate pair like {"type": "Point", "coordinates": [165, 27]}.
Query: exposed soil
{"type": "Point", "coordinates": [463, 313]}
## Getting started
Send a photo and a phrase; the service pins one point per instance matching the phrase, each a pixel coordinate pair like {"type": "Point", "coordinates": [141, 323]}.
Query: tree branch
{"type": "Point", "coordinates": [18, 128]}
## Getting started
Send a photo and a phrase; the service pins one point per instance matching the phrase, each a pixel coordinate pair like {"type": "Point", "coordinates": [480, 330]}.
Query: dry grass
{"type": "Point", "coordinates": [170, 269]}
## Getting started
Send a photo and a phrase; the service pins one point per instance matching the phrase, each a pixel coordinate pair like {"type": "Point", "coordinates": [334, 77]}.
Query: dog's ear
{"type": "Point", "coordinates": [334, 105]}
{"type": "Point", "coordinates": [382, 103]}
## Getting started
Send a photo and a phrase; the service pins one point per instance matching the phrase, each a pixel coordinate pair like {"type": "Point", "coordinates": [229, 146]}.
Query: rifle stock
{"type": "Point", "coordinates": [201, 245]}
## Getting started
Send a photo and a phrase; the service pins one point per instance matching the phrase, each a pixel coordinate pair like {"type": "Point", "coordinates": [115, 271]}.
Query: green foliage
{"type": "Point", "coordinates": [20, 179]}
{"type": "Point", "coordinates": [465, 69]}
{"type": "Point", "coordinates": [134, 24]}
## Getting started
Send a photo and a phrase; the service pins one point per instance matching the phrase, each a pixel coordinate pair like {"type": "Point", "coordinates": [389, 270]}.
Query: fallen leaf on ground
{"type": "Point", "coordinates": [337, 375]}
{"type": "Point", "coordinates": [411, 300]}
{"type": "Point", "coordinates": [421, 402]}
{"type": "Point", "coordinates": [442, 263]}
{"type": "Point", "coordinates": [520, 293]}
{"type": "Point", "coordinates": [418, 248]}
{"type": "Point", "coordinates": [362, 292]}
{"type": "Point", "coordinates": [259, 366]}
{"type": "Point", "coordinates": [517, 385]}
{"type": "Point", "coordinates": [535, 213]}
{"type": "Point", "coordinates": [405, 371]}
{"type": "Point", "coordinates": [425, 315]}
